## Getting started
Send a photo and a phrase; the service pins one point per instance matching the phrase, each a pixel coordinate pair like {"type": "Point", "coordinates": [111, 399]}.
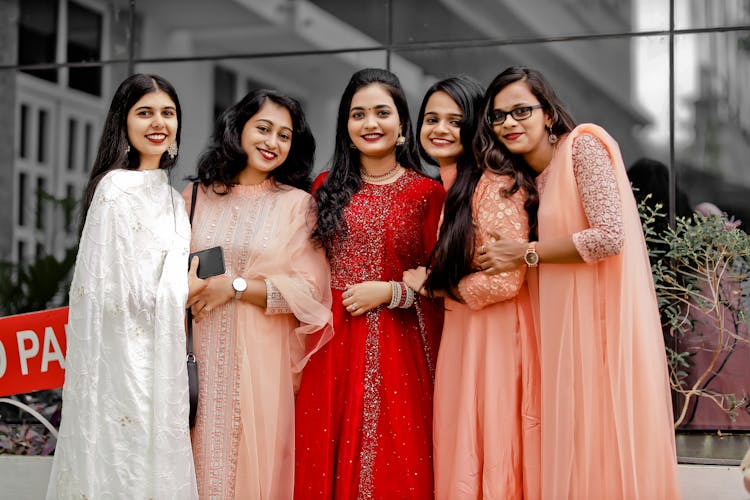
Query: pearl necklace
{"type": "Point", "coordinates": [375, 179]}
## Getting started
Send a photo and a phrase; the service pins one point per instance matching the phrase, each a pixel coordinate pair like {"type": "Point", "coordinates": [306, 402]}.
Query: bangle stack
{"type": "Point", "coordinates": [401, 295]}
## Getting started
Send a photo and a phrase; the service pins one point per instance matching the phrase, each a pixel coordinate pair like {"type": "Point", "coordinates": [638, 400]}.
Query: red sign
{"type": "Point", "coordinates": [32, 351]}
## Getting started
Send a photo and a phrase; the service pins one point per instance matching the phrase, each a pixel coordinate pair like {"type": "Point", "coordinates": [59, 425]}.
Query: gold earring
{"type": "Point", "coordinates": [401, 140]}
{"type": "Point", "coordinates": [172, 150]}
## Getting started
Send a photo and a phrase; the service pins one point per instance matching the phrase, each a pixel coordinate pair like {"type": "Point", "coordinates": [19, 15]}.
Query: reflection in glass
{"type": "Point", "coordinates": [429, 20]}
{"type": "Point", "coordinates": [713, 108]}
{"type": "Point", "coordinates": [72, 141]}
{"type": "Point", "coordinates": [23, 131]}
{"type": "Point", "coordinates": [371, 17]}
{"type": "Point", "coordinates": [42, 136]}
{"type": "Point", "coordinates": [84, 44]}
{"type": "Point", "coordinates": [225, 89]}
{"type": "Point", "coordinates": [37, 36]}
{"type": "Point", "coordinates": [88, 131]}
{"type": "Point", "coordinates": [41, 190]}
{"type": "Point", "coordinates": [22, 192]}
{"type": "Point", "coordinates": [710, 13]}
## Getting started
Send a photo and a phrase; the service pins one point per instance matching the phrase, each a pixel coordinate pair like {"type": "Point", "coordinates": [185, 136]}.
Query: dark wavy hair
{"type": "Point", "coordinates": [344, 178]}
{"type": "Point", "coordinates": [113, 150]}
{"type": "Point", "coordinates": [452, 255]}
{"type": "Point", "coordinates": [490, 152]}
{"type": "Point", "coordinates": [223, 160]}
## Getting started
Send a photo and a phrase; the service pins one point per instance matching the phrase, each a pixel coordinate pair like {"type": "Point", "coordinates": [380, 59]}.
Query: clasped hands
{"type": "Point", "coordinates": [500, 255]}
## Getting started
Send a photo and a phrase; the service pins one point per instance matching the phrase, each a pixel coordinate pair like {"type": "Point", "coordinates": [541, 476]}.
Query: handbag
{"type": "Point", "coordinates": [192, 362]}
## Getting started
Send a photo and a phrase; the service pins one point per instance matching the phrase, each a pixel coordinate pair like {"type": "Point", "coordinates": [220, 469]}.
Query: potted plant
{"type": "Point", "coordinates": [701, 269]}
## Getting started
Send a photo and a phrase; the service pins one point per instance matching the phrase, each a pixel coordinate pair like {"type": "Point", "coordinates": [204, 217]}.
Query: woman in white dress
{"type": "Point", "coordinates": [124, 430]}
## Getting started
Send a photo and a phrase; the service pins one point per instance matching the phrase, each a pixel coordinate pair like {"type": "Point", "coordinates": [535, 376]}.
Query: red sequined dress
{"type": "Point", "coordinates": [364, 409]}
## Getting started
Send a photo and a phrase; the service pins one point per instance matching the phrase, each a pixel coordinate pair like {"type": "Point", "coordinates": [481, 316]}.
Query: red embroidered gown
{"type": "Point", "coordinates": [364, 409]}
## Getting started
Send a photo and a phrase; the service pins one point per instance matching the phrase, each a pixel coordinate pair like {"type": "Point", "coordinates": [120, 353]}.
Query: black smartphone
{"type": "Point", "coordinates": [210, 262]}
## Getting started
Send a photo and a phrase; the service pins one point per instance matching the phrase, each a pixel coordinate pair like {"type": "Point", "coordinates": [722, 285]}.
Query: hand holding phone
{"type": "Point", "coordinates": [210, 262]}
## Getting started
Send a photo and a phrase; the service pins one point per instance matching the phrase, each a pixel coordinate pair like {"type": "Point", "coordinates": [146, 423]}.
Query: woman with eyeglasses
{"type": "Point", "coordinates": [606, 413]}
{"type": "Point", "coordinates": [486, 411]}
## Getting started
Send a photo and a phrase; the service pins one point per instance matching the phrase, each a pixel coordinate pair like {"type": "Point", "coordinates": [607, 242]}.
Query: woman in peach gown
{"type": "Point", "coordinates": [486, 422]}
{"type": "Point", "coordinates": [606, 416]}
{"type": "Point", "coordinates": [257, 324]}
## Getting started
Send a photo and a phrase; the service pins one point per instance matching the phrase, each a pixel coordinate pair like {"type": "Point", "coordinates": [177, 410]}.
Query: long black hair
{"type": "Point", "coordinates": [114, 148]}
{"type": "Point", "coordinates": [453, 253]}
{"type": "Point", "coordinates": [490, 152]}
{"type": "Point", "coordinates": [224, 159]}
{"type": "Point", "coordinates": [344, 177]}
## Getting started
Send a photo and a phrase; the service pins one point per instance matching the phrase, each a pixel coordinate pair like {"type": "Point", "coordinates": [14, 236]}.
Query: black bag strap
{"type": "Point", "coordinates": [190, 311]}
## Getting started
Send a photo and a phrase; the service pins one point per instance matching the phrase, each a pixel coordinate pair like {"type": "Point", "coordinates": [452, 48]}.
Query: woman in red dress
{"type": "Point", "coordinates": [364, 408]}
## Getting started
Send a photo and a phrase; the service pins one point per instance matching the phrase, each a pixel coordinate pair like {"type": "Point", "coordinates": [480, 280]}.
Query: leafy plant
{"type": "Point", "coordinates": [701, 269]}
{"type": "Point", "coordinates": [41, 284]}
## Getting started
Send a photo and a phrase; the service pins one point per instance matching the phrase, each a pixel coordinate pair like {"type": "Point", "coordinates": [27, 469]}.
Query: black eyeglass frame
{"type": "Point", "coordinates": [521, 110]}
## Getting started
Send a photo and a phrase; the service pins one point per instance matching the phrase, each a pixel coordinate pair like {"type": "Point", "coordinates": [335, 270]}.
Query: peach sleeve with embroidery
{"type": "Point", "coordinates": [507, 216]}
{"type": "Point", "coordinates": [594, 172]}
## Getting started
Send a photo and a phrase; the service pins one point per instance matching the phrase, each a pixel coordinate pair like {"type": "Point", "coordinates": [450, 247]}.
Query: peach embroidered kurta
{"type": "Point", "coordinates": [249, 358]}
{"type": "Point", "coordinates": [486, 432]}
{"type": "Point", "coordinates": [606, 412]}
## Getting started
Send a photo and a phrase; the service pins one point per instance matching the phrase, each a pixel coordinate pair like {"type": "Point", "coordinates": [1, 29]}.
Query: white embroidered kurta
{"type": "Point", "coordinates": [124, 430]}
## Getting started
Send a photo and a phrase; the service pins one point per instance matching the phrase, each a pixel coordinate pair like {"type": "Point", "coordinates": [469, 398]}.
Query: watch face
{"type": "Point", "coordinates": [531, 258]}
{"type": "Point", "coordinates": [239, 284]}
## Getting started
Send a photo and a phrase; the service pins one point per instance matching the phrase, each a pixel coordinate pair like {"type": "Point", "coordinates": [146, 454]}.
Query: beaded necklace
{"type": "Point", "coordinates": [376, 179]}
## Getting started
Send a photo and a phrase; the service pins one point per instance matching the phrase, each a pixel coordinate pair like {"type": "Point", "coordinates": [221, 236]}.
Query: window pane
{"type": "Point", "coordinates": [429, 21]}
{"type": "Point", "coordinates": [21, 252]}
{"type": "Point", "coordinates": [712, 110]}
{"type": "Point", "coordinates": [225, 89]}
{"type": "Point", "coordinates": [72, 143]}
{"type": "Point", "coordinates": [42, 136]}
{"type": "Point", "coordinates": [22, 193]}
{"type": "Point", "coordinates": [23, 131]}
{"type": "Point", "coordinates": [70, 197]}
{"type": "Point", "coordinates": [710, 14]}
{"type": "Point", "coordinates": [41, 203]}
{"type": "Point", "coordinates": [84, 45]}
{"type": "Point", "coordinates": [37, 36]}
{"type": "Point", "coordinates": [369, 18]}
{"type": "Point", "coordinates": [88, 132]}
{"type": "Point", "coordinates": [225, 27]}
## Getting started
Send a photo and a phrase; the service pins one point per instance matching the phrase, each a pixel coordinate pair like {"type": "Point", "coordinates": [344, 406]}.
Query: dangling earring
{"type": "Point", "coordinates": [352, 146]}
{"type": "Point", "coordinates": [127, 150]}
{"type": "Point", "coordinates": [172, 150]}
{"type": "Point", "coordinates": [401, 140]}
{"type": "Point", "coordinates": [552, 137]}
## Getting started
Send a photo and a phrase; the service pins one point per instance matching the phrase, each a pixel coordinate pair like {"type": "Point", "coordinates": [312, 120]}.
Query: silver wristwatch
{"type": "Point", "coordinates": [239, 285]}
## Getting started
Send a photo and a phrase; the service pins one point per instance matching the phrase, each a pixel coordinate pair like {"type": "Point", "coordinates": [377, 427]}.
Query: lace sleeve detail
{"type": "Point", "coordinates": [595, 176]}
{"type": "Point", "coordinates": [275, 301]}
{"type": "Point", "coordinates": [506, 216]}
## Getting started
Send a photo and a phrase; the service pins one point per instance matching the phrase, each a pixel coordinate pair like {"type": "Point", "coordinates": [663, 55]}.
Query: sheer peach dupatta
{"type": "Point", "coordinates": [606, 412]}
{"type": "Point", "coordinates": [275, 347]}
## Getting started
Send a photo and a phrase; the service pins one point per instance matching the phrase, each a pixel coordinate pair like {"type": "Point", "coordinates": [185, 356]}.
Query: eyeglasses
{"type": "Point", "coordinates": [497, 116]}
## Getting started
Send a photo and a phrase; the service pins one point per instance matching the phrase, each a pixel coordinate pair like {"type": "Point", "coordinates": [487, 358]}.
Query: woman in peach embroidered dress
{"type": "Point", "coordinates": [606, 411]}
{"type": "Point", "coordinates": [257, 324]}
{"type": "Point", "coordinates": [486, 418]}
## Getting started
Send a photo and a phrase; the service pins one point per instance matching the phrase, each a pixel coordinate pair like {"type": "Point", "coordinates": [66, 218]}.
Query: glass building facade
{"type": "Point", "coordinates": [667, 78]}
